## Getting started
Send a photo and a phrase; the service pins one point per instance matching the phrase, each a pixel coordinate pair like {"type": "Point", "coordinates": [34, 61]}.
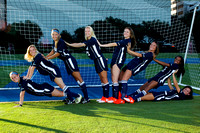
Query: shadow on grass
{"type": "Point", "coordinates": [180, 112]}
{"type": "Point", "coordinates": [31, 125]}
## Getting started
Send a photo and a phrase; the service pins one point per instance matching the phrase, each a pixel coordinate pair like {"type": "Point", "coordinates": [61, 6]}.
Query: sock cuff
{"type": "Point", "coordinates": [104, 84]}
{"type": "Point", "coordinates": [144, 92]}
{"type": "Point", "coordinates": [80, 84]}
{"type": "Point", "coordinates": [65, 88]}
{"type": "Point", "coordinates": [119, 81]}
{"type": "Point", "coordinates": [138, 91]}
{"type": "Point", "coordinates": [115, 84]}
{"type": "Point", "coordinates": [138, 99]}
{"type": "Point", "coordinates": [124, 81]}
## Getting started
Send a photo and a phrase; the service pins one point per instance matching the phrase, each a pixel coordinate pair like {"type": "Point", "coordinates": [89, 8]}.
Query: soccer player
{"type": "Point", "coordinates": [44, 67]}
{"type": "Point", "coordinates": [161, 77]}
{"type": "Point", "coordinates": [178, 94]}
{"type": "Point", "coordinates": [45, 89]}
{"type": "Point", "coordinates": [118, 59]}
{"type": "Point", "coordinates": [94, 52]}
{"type": "Point", "coordinates": [60, 50]}
{"type": "Point", "coordinates": [136, 65]}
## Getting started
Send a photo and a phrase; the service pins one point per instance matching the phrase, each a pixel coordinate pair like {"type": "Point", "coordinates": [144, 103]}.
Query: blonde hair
{"type": "Point", "coordinates": [91, 31]}
{"type": "Point", "coordinates": [28, 56]}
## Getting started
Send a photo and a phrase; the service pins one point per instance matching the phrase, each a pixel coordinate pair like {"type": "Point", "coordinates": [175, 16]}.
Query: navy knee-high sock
{"type": "Point", "coordinates": [67, 93]}
{"type": "Point", "coordinates": [135, 93]}
{"type": "Point", "coordinates": [105, 89]}
{"type": "Point", "coordinates": [84, 89]}
{"type": "Point", "coordinates": [120, 86]}
{"type": "Point", "coordinates": [115, 88]}
{"type": "Point", "coordinates": [124, 88]}
{"type": "Point", "coordinates": [139, 95]}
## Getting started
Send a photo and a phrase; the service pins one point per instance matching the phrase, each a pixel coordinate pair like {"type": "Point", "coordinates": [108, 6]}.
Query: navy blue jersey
{"type": "Point", "coordinates": [45, 67]}
{"type": "Point", "coordinates": [168, 95]}
{"type": "Point", "coordinates": [163, 75]}
{"type": "Point", "coordinates": [138, 64]}
{"type": "Point", "coordinates": [35, 89]}
{"type": "Point", "coordinates": [119, 55]}
{"type": "Point", "coordinates": [92, 48]}
{"type": "Point", "coordinates": [61, 49]}
{"type": "Point", "coordinates": [70, 62]}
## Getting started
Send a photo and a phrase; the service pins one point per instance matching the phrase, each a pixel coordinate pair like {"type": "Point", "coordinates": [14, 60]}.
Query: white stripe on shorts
{"type": "Point", "coordinates": [49, 68]}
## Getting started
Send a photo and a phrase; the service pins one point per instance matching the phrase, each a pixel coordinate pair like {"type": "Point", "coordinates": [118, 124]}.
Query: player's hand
{"type": "Point", "coordinates": [175, 71]}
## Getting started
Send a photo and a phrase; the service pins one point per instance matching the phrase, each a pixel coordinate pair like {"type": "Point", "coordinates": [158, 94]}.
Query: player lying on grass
{"type": "Point", "coordinates": [45, 89]}
{"type": "Point", "coordinates": [178, 94]}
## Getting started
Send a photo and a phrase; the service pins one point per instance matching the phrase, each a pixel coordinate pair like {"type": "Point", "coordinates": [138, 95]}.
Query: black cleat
{"type": "Point", "coordinates": [84, 101]}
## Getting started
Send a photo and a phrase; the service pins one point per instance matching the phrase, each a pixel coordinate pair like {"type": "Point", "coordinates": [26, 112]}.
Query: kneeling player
{"type": "Point", "coordinates": [45, 89]}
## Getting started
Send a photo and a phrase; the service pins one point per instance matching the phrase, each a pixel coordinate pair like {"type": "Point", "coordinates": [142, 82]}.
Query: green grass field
{"type": "Point", "coordinates": [148, 116]}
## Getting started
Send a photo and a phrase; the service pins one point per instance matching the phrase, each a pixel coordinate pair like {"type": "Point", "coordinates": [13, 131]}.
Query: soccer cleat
{"type": "Point", "coordinates": [111, 100]}
{"type": "Point", "coordinates": [78, 99]}
{"type": "Point", "coordinates": [68, 101]}
{"type": "Point", "coordinates": [102, 100]}
{"type": "Point", "coordinates": [119, 101]}
{"type": "Point", "coordinates": [129, 99]}
{"type": "Point", "coordinates": [85, 101]}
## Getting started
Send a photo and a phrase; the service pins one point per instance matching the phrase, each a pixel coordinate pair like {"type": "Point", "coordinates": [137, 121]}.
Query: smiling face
{"type": "Point", "coordinates": [88, 33]}
{"type": "Point", "coordinates": [15, 78]}
{"type": "Point", "coordinates": [186, 91]}
{"type": "Point", "coordinates": [153, 47]}
{"type": "Point", "coordinates": [55, 35]}
{"type": "Point", "coordinates": [32, 51]}
{"type": "Point", "coordinates": [177, 60]}
{"type": "Point", "coordinates": [127, 33]}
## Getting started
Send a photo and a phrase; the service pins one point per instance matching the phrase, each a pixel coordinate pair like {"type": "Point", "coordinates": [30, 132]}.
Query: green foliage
{"type": "Point", "coordinates": [21, 35]}
{"type": "Point", "coordinates": [165, 117]}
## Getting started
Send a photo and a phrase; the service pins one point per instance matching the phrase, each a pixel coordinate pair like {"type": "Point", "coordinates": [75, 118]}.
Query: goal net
{"type": "Point", "coordinates": [30, 22]}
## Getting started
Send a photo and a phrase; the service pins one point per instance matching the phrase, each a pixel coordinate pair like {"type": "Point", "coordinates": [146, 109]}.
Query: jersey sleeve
{"type": "Point", "coordinates": [90, 42]}
{"type": "Point", "coordinates": [174, 66]}
{"type": "Point", "coordinates": [62, 46]}
{"type": "Point", "coordinates": [147, 55]}
{"type": "Point", "coordinates": [120, 43]}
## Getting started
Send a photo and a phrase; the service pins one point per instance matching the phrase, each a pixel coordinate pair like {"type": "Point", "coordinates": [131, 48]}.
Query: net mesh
{"type": "Point", "coordinates": [150, 20]}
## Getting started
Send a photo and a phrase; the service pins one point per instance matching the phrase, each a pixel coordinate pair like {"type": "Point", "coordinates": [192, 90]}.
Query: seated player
{"type": "Point", "coordinates": [45, 89]}
{"type": "Point", "coordinates": [178, 94]}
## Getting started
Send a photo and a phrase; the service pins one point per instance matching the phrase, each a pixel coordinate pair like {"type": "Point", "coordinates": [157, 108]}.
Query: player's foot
{"type": "Point", "coordinates": [68, 101]}
{"type": "Point", "coordinates": [111, 100]}
{"type": "Point", "coordinates": [102, 100]}
{"type": "Point", "coordinates": [85, 101]}
{"type": "Point", "coordinates": [119, 101]}
{"type": "Point", "coordinates": [78, 99]}
{"type": "Point", "coordinates": [129, 99]}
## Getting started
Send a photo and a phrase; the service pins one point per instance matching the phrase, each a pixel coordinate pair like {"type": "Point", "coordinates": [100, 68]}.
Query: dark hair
{"type": "Point", "coordinates": [133, 40]}
{"type": "Point", "coordinates": [181, 69]}
{"type": "Point", "coordinates": [191, 92]}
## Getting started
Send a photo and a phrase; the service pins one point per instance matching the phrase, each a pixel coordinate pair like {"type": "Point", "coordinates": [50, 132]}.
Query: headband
{"type": "Point", "coordinates": [13, 73]}
{"type": "Point", "coordinates": [56, 31]}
